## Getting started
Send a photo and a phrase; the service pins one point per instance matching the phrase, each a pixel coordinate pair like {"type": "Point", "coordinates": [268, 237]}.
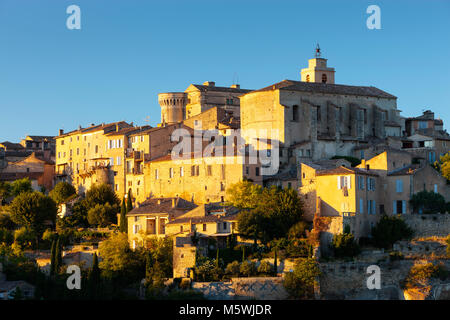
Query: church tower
{"type": "Point", "coordinates": [317, 70]}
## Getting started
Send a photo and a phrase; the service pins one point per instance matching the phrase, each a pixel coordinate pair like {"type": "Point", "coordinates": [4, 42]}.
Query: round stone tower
{"type": "Point", "coordinates": [173, 105]}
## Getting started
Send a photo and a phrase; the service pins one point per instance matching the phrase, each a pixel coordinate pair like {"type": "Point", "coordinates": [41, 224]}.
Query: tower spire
{"type": "Point", "coordinates": [317, 52]}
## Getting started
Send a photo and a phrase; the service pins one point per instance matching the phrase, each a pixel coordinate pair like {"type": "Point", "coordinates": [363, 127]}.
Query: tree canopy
{"type": "Point", "coordinates": [102, 214]}
{"type": "Point", "coordinates": [101, 194]}
{"type": "Point", "coordinates": [244, 194]}
{"type": "Point", "coordinates": [428, 202]}
{"type": "Point", "coordinates": [389, 230]}
{"type": "Point", "coordinates": [20, 186]}
{"type": "Point", "coordinates": [275, 211]}
{"type": "Point", "coordinates": [32, 210]}
{"type": "Point", "coordinates": [61, 192]}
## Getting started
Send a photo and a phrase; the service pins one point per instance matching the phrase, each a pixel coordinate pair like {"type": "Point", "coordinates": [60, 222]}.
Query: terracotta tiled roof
{"type": "Point", "coordinates": [150, 206]}
{"type": "Point", "coordinates": [408, 170]}
{"type": "Point", "coordinates": [344, 170]}
{"type": "Point", "coordinates": [12, 145]}
{"type": "Point", "coordinates": [328, 88]}
{"type": "Point", "coordinates": [220, 89]}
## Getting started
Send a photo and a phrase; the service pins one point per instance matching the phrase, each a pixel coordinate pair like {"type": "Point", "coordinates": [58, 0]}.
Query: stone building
{"type": "Point", "coordinates": [38, 169]}
{"type": "Point", "coordinates": [196, 99]}
{"type": "Point", "coordinates": [151, 217]}
{"type": "Point", "coordinates": [318, 119]}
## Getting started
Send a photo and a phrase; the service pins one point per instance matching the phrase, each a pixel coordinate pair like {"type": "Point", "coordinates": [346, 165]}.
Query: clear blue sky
{"type": "Point", "coordinates": [128, 51]}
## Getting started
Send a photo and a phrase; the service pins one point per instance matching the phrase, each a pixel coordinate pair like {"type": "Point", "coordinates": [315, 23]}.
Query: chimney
{"type": "Point", "coordinates": [209, 83]}
{"type": "Point", "coordinates": [363, 163]}
{"type": "Point", "coordinates": [61, 132]}
{"type": "Point", "coordinates": [132, 124]}
{"type": "Point", "coordinates": [236, 86]}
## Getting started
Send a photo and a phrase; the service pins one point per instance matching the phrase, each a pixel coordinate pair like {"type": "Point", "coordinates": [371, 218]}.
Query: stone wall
{"type": "Point", "coordinates": [348, 280]}
{"type": "Point", "coordinates": [183, 259]}
{"type": "Point", "coordinates": [428, 225]}
{"type": "Point", "coordinates": [259, 288]}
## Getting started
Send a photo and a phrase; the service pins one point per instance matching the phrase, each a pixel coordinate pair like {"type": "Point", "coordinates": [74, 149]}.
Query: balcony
{"type": "Point", "coordinates": [136, 155]}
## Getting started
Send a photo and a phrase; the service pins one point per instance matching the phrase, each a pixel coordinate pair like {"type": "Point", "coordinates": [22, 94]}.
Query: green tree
{"type": "Point", "coordinates": [53, 257]}
{"type": "Point", "coordinates": [118, 260]}
{"type": "Point", "coordinates": [58, 256]}
{"type": "Point", "coordinates": [344, 245]}
{"type": "Point", "coordinates": [61, 192]}
{"type": "Point", "coordinates": [6, 221]}
{"type": "Point", "coordinates": [428, 202]}
{"type": "Point", "coordinates": [20, 186]}
{"type": "Point", "coordinates": [265, 268]}
{"type": "Point", "coordinates": [5, 190]}
{"type": "Point", "coordinates": [244, 194]}
{"type": "Point", "coordinates": [248, 268]}
{"type": "Point", "coordinates": [300, 283]}
{"type": "Point", "coordinates": [123, 218]}
{"type": "Point", "coordinates": [277, 210]}
{"type": "Point", "coordinates": [100, 195]}
{"type": "Point", "coordinates": [233, 269]}
{"type": "Point", "coordinates": [32, 210]}
{"type": "Point", "coordinates": [444, 165]}
{"type": "Point", "coordinates": [389, 230]}
{"type": "Point", "coordinates": [102, 215]}
{"type": "Point", "coordinates": [129, 202]}
{"type": "Point", "coordinates": [93, 279]}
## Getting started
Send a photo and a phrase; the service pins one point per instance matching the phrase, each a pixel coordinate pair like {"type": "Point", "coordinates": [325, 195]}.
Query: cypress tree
{"type": "Point", "coordinates": [275, 267]}
{"type": "Point", "coordinates": [58, 257]}
{"type": "Point", "coordinates": [93, 280]}
{"type": "Point", "coordinates": [52, 257]}
{"type": "Point", "coordinates": [217, 258]}
{"type": "Point", "coordinates": [129, 203]}
{"type": "Point", "coordinates": [123, 218]}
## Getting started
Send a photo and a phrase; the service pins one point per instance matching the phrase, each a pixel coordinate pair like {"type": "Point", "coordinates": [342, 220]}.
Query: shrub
{"type": "Point", "coordinates": [300, 283]}
{"type": "Point", "coordinates": [233, 268]}
{"type": "Point", "coordinates": [248, 268]}
{"type": "Point", "coordinates": [265, 268]}
{"type": "Point", "coordinates": [448, 245]}
{"type": "Point", "coordinates": [102, 215]}
{"type": "Point", "coordinates": [428, 202]}
{"type": "Point", "coordinates": [205, 270]}
{"type": "Point", "coordinates": [61, 192]}
{"type": "Point", "coordinates": [420, 275]}
{"type": "Point", "coordinates": [344, 245]}
{"type": "Point", "coordinates": [24, 237]}
{"type": "Point", "coordinates": [6, 236]}
{"type": "Point", "coordinates": [389, 230]}
{"type": "Point", "coordinates": [395, 255]}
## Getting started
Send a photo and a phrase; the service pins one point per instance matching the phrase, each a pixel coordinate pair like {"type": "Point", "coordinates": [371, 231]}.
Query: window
{"type": "Point", "coordinates": [435, 188]}
{"type": "Point", "coordinates": [371, 207]}
{"type": "Point", "coordinates": [192, 171]}
{"type": "Point", "coordinates": [361, 205]}
{"type": "Point", "coordinates": [399, 206]}
{"type": "Point", "coordinates": [295, 113]}
{"type": "Point", "coordinates": [181, 172]}
{"type": "Point", "coordinates": [423, 124]}
{"type": "Point", "coordinates": [156, 174]}
{"type": "Point", "coordinates": [111, 161]}
{"type": "Point", "coordinates": [247, 170]}
{"type": "Point", "coordinates": [319, 114]}
{"type": "Point", "coordinates": [344, 181]}
{"type": "Point", "coordinates": [78, 151]}
{"type": "Point", "coordinates": [171, 173]}
{"type": "Point", "coordinates": [370, 184]}
{"type": "Point", "coordinates": [399, 186]}
{"type": "Point", "coordinates": [209, 170]}
{"type": "Point", "coordinates": [257, 171]}
{"type": "Point", "coordinates": [361, 183]}
{"type": "Point", "coordinates": [119, 161]}
{"type": "Point", "coordinates": [204, 227]}
{"type": "Point", "coordinates": [324, 78]}
{"type": "Point", "coordinates": [307, 78]}
{"type": "Point", "coordinates": [224, 226]}
{"type": "Point", "coordinates": [222, 187]}
{"type": "Point", "coordinates": [96, 149]}
{"type": "Point", "coordinates": [181, 228]}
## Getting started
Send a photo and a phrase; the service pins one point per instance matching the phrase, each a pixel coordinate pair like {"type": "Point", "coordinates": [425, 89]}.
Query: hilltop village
{"type": "Point", "coordinates": [235, 189]}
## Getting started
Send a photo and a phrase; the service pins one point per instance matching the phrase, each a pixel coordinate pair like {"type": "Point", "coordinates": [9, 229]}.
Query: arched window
{"type": "Point", "coordinates": [324, 78]}
{"type": "Point", "coordinates": [307, 78]}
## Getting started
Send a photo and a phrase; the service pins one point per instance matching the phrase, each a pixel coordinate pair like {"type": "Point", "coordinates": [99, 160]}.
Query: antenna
{"type": "Point", "coordinates": [235, 78]}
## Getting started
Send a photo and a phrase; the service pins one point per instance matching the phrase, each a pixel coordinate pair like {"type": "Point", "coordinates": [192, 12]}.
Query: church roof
{"type": "Point", "coordinates": [314, 87]}
{"type": "Point", "coordinates": [220, 89]}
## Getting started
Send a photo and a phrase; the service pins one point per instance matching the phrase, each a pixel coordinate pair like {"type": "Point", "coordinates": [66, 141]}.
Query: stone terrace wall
{"type": "Point", "coordinates": [259, 288]}
{"type": "Point", "coordinates": [348, 280]}
{"type": "Point", "coordinates": [428, 225]}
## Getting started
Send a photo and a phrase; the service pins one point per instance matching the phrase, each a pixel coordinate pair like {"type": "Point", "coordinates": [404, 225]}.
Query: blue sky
{"type": "Point", "coordinates": [128, 51]}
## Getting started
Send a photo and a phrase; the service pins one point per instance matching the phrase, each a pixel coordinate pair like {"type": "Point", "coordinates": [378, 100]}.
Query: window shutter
{"type": "Point", "coordinates": [339, 182]}
{"type": "Point", "coordinates": [349, 179]}
{"type": "Point", "coordinates": [361, 205]}
{"type": "Point", "coordinates": [374, 207]}
{"type": "Point", "coordinates": [403, 206]}
{"type": "Point", "coordinates": [394, 207]}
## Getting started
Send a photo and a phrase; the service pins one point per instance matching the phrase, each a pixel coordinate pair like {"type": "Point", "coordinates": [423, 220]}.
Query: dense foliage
{"type": "Point", "coordinates": [344, 245]}
{"type": "Point", "coordinates": [389, 230]}
{"type": "Point", "coordinates": [428, 202]}
{"type": "Point", "coordinates": [300, 283]}
{"type": "Point", "coordinates": [61, 192]}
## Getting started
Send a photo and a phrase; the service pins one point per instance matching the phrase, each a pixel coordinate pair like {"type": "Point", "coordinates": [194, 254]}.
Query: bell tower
{"type": "Point", "coordinates": [317, 70]}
